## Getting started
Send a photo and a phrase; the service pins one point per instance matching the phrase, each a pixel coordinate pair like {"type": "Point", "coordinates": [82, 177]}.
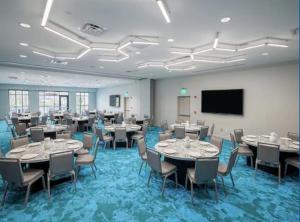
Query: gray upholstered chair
{"type": "Point", "coordinates": [164, 136]}
{"type": "Point", "coordinates": [69, 121]}
{"type": "Point", "coordinates": [192, 136]}
{"type": "Point", "coordinates": [21, 129]}
{"type": "Point", "coordinates": [293, 136]}
{"type": "Point", "coordinates": [218, 142]}
{"type": "Point", "coordinates": [200, 122]}
{"type": "Point", "coordinates": [102, 138]}
{"type": "Point", "coordinates": [244, 150]}
{"type": "Point", "coordinates": [72, 128]}
{"type": "Point", "coordinates": [225, 169]}
{"type": "Point", "coordinates": [137, 136]}
{"type": "Point", "coordinates": [87, 160]}
{"type": "Point", "coordinates": [44, 120]}
{"type": "Point", "coordinates": [90, 123]}
{"type": "Point", "coordinates": [21, 141]}
{"type": "Point", "coordinates": [34, 121]}
{"type": "Point", "coordinates": [14, 120]}
{"type": "Point", "coordinates": [37, 134]}
{"type": "Point", "coordinates": [203, 132]}
{"type": "Point", "coordinates": [120, 136]}
{"type": "Point", "coordinates": [179, 132]}
{"type": "Point", "coordinates": [211, 131]}
{"type": "Point", "coordinates": [87, 144]}
{"type": "Point", "coordinates": [142, 152]}
{"type": "Point", "coordinates": [61, 164]}
{"type": "Point", "coordinates": [199, 176]}
{"type": "Point", "coordinates": [13, 175]}
{"type": "Point", "coordinates": [64, 135]}
{"type": "Point", "coordinates": [163, 168]}
{"type": "Point", "coordinates": [292, 161]}
{"type": "Point", "coordinates": [268, 155]}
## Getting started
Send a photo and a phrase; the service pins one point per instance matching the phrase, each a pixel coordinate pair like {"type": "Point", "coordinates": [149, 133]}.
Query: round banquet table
{"type": "Point", "coordinates": [190, 128]}
{"type": "Point", "coordinates": [50, 130]}
{"type": "Point", "coordinates": [130, 130]}
{"type": "Point", "coordinates": [175, 152]}
{"type": "Point", "coordinates": [287, 149]}
{"type": "Point", "coordinates": [24, 119]}
{"type": "Point", "coordinates": [81, 121]}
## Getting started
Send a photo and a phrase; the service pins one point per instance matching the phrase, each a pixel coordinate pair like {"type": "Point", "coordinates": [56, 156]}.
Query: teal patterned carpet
{"type": "Point", "coordinates": [120, 194]}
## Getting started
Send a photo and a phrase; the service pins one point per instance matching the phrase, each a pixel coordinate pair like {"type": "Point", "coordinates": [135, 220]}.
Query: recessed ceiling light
{"type": "Point", "coordinates": [226, 19]}
{"type": "Point", "coordinates": [101, 67]}
{"type": "Point", "coordinates": [23, 44]}
{"type": "Point", "coordinates": [137, 52]}
{"type": "Point", "coordinates": [265, 53]}
{"type": "Point", "coordinates": [24, 25]}
{"type": "Point", "coordinates": [170, 40]}
{"type": "Point", "coordinates": [23, 56]}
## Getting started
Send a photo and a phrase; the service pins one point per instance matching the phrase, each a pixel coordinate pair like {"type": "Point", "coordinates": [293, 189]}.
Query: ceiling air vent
{"type": "Point", "coordinates": [92, 29]}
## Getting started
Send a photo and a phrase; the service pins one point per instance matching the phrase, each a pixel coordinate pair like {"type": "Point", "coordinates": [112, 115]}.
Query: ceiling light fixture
{"type": "Point", "coordinates": [265, 53]}
{"type": "Point", "coordinates": [46, 12]}
{"type": "Point", "coordinates": [163, 7]}
{"type": "Point", "coordinates": [180, 53]}
{"type": "Point", "coordinates": [277, 45]}
{"type": "Point", "coordinates": [66, 37]}
{"type": "Point", "coordinates": [216, 40]}
{"type": "Point", "coordinates": [235, 60]}
{"type": "Point", "coordinates": [251, 47]}
{"type": "Point", "coordinates": [103, 49]}
{"type": "Point", "coordinates": [124, 46]}
{"type": "Point", "coordinates": [178, 63]}
{"type": "Point", "coordinates": [24, 25]}
{"type": "Point", "coordinates": [83, 53]}
{"type": "Point", "coordinates": [202, 51]}
{"type": "Point", "coordinates": [225, 20]}
{"type": "Point", "coordinates": [144, 43]}
{"type": "Point", "coordinates": [43, 54]}
{"type": "Point", "coordinates": [170, 40]}
{"type": "Point", "coordinates": [63, 57]}
{"type": "Point", "coordinates": [23, 56]}
{"type": "Point", "coordinates": [225, 50]}
{"type": "Point", "coordinates": [208, 61]}
{"type": "Point", "coordinates": [23, 44]}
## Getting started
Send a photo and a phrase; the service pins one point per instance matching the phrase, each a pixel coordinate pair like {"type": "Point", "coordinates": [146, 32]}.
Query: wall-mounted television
{"type": "Point", "coordinates": [228, 101]}
{"type": "Point", "coordinates": [114, 100]}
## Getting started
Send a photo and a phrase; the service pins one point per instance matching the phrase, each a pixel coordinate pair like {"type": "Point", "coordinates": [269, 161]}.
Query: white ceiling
{"type": "Point", "coordinates": [193, 23]}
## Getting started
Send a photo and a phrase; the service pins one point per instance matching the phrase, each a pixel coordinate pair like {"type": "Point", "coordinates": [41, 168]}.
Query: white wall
{"type": "Point", "coordinates": [270, 99]}
{"type": "Point", "coordinates": [138, 93]}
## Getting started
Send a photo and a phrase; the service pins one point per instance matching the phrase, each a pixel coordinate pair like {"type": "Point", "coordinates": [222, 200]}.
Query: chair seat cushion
{"type": "Point", "coordinates": [31, 175]}
{"type": "Point", "coordinates": [108, 138]}
{"type": "Point", "coordinates": [222, 169]}
{"type": "Point", "coordinates": [137, 136]}
{"type": "Point", "coordinates": [294, 161]}
{"type": "Point", "coordinates": [245, 150]}
{"type": "Point", "coordinates": [144, 156]}
{"type": "Point", "coordinates": [191, 173]}
{"type": "Point", "coordinates": [84, 159]}
{"type": "Point", "coordinates": [167, 167]}
{"type": "Point", "coordinates": [82, 152]}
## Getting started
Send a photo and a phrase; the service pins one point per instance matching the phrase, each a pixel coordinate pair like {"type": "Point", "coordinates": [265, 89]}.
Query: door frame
{"type": "Point", "coordinates": [186, 117]}
{"type": "Point", "coordinates": [66, 96]}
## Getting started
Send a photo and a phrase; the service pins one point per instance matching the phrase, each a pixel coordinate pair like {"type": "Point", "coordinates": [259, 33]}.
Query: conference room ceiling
{"type": "Point", "coordinates": [134, 40]}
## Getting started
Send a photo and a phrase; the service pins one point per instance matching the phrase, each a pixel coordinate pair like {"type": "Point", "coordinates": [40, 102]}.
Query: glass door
{"type": "Point", "coordinates": [64, 103]}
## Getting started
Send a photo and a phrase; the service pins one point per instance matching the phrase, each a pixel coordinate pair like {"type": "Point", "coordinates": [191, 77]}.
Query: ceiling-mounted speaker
{"type": "Point", "coordinates": [93, 29]}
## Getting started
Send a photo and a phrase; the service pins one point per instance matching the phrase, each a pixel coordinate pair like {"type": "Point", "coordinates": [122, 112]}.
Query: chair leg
{"type": "Point", "coordinates": [48, 186]}
{"type": "Point", "coordinates": [114, 145]}
{"type": "Point", "coordinates": [186, 181]}
{"type": "Point", "coordinates": [176, 179]}
{"type": "Point", "coordinates": [285, 169]}
{"type": "Point", "coordinates": [237, 159]}
{"type": "Point", "coordinates": [163, 186]}
{"type": "Point", "coordinates": [105, 143]}
{"type": "Point", "coordinates": [192, 191]}
{"type": "Point", "coordinates": [255, 169]}
{"type": "Point", "coordinates": [4, 193]}
{"type": "Point", "coordinates": [127, 144]}
{"type": "Point", "coordinates": [216, 190]}
{"type": "Point", "coordinates": [223, 184]}
{"type": "Point", "coordinates": [95, 166]}
{"type": "Point", "coordinates": [27, 194]}
{"type": "Point", "coordinates": [74, 179]}
{"type": "Point", "coordinates": [141, 167]}
{"type": "Point", "coordinates": [77, 173]}
{"type": "Point", "coordinates": [149, 178]}
{"type": "Point", "coordinates": [43, 181]}
{"type": "Point", "coordinates": [279, 173]}
{"type": "Point", "coordinates": [93, 170]}
{"type": "Point", "coordinates": [231, 179]}
{"type": "Point", "coordinates": [251, 158]}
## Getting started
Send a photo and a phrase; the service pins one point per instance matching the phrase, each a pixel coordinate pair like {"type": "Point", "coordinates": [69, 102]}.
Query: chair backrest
{"type": "Point", "coordinates": [200, 122]}
{"type": "Point", "coordinates": [232, 160]}
{"type": "Point", "coordinates": [20, 128]}
{"type": "Point", "coordinates": [69, 121]}
{"type": "Point", "coordinates": [153, 160]}
{"type": "Point", "coordinates": [37, 134]}
{"type": "Point", "coordinates": [72, 128]}
{"type": "Point", "coordinates": [120, 134]}
{"type": "Point", "coordinates": [238, 134]}
{"type": "Point", "coordinates": [192, 136]}
{"type": "Point", "coordinates": [179, 132]}
{"type": "Point", "coordinates": [203, 132]}
{"type": "Point", "coordinates": [91, 120]}
{"type": "Point", "coordinates": [95, 152]}
{"type": "Point", "coordinates": [34, 120]}
{"type": "Point", "coordinates": [218, 142]}
{"type": "Point", "coordinates": [11, 171]}
{"type": "Point", "coordinates": [19, 142]}
{"type": "Point", "coordinates": [164, 136]}
{"type": "Point", "coordinates": [14, 120]}
{"type": "Point", "coordinates": [87, 141]}
{"type": "Point", "coordinates": [212, 128]}
{"type": "Point", "coordinates": [145, 128]}
{"type": "Point", "coordinates": [64, 135]}
{"type": "Point", "coordinates": [293, 136]}
{"type": "Point", "coordinates": [233, 143]}
{"type": "Point", "coordinates": [206, 169]}
{"type": "Point", "coordinates": [61, 163]}
{"type": "Point", "coordinates": [99, 133]}
{"type": "Point", "coordinates": [141, 147]}
{"type": "Point", "coordinates": [44, 119]}
{"type": "Point", "coordinates": [268, 153]}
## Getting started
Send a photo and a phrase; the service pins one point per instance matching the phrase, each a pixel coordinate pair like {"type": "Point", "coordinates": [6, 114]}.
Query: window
{"type": "Point", "coordinates": [50, 101]}
{"type": "Point", "coordinates": [82, 102]}
{"type": "Point", "coordinates": [18, 101]}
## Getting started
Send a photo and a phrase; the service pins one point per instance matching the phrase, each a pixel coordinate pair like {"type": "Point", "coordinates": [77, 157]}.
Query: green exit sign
{"type": "Point", "coordinates": [183, 91]}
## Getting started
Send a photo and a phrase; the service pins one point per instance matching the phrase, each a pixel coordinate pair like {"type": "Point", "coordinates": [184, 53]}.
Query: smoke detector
{"type": "Point", "coordinates": [93, 29]}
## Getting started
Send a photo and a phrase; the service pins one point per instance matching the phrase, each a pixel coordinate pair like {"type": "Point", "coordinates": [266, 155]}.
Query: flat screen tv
{"type": "Point", "coordinates": [114, 100]}
{"type": "Point", "coordinates": [228, 101]}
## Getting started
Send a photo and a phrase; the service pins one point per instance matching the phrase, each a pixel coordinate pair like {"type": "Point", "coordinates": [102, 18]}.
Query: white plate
{"type": "Point", "coordinates": [204, 143]}
{"type": "Point", "coordinates": [294, 146]}
{"type": "Point", "coordinates": [194, 154]}
{"type": "Point", "coordinates": [71, 142]}
{"type": "Point", "coordinates": [169, 151]}
{"type": "Point", "coordinates": [29, 156]}
{"type": "Point", "coordinates": [171, 140]}
{"type": "Point", "coordinates": [17, 150]}
{"type": "Point", "coordinates": [59, 140]}
{"type": "Point", "coordinates": [250, 140]}
{"type": "Point", "coordinates": [251, 136]}
{"type": "Point", "coordinates": [162, 144]}
{"type": "Point", "coordinates": [296, 143]}
{"type": "Point", "coordinates": [34, 144]}
{"type": "Point", "coordinates": [285, 138]}
{"type": "Point", "coordinates": [73, 146]}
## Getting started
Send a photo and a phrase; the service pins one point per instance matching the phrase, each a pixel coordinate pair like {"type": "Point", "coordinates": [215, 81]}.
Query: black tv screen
{"type": "Point", "coordinates": [223, 101]}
